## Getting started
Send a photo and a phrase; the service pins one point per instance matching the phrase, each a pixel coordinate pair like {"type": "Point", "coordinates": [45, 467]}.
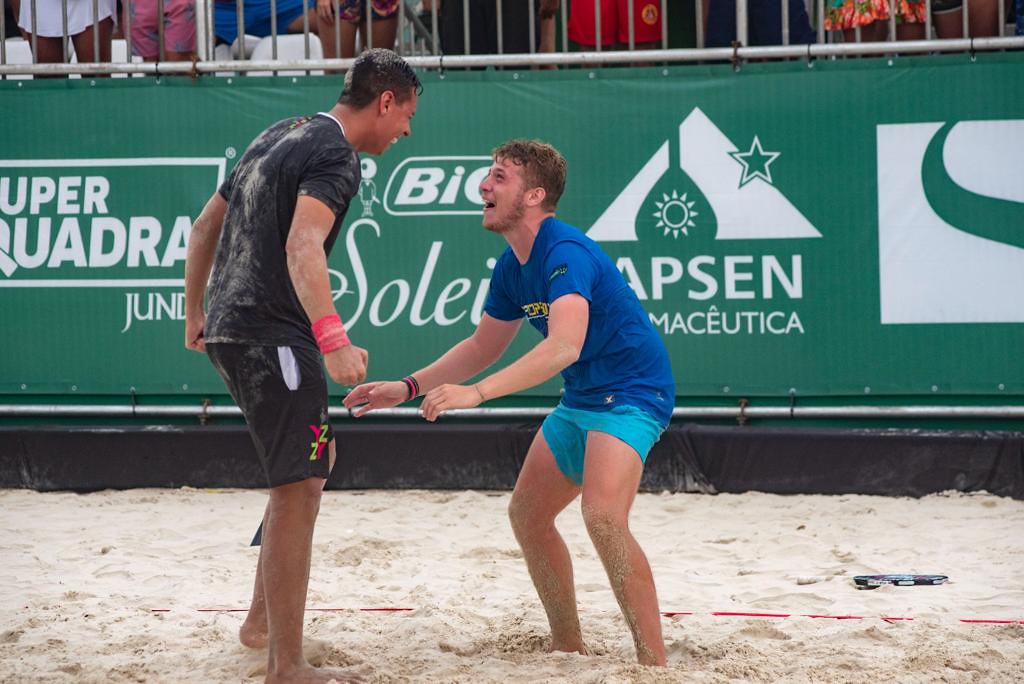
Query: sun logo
{"type": "Point", "coordinates": [675, 214]}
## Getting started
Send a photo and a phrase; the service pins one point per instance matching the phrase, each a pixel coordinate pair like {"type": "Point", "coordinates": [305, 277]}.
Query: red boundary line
{"type": "Point", "coordinates": [326, 610]}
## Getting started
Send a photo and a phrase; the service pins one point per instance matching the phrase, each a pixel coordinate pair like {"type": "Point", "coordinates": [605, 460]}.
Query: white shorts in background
{"type": "Point", "coordinates": [50, 21]}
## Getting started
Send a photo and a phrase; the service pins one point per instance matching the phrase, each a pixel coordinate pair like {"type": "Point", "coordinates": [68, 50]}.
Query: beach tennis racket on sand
{"type": "Point", "coordinates": [875, 581]}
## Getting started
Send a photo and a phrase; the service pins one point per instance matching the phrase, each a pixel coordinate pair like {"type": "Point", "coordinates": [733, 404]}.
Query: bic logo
{"type": "Point", "coordinates": [437, 186]}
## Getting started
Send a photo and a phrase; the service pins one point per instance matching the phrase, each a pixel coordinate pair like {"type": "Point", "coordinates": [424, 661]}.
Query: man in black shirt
{"type": "Point", "coordinates": [271, 325]}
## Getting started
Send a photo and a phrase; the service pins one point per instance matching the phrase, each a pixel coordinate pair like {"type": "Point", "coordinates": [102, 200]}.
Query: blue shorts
{"type": "Point", "coordinates": [256, 17]}
{"type": "Point", "coordinates": [565, 430]}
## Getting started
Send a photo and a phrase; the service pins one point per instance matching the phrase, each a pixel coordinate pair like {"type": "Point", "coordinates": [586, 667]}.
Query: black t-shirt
{"type": "Point", "coordinates": [252, 299]}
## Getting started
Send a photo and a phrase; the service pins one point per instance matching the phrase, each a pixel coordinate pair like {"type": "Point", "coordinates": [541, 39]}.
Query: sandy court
{"type": "Point", "coordinates": [83, 576]}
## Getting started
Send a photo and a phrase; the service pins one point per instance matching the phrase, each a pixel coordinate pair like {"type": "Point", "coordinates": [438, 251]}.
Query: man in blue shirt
{"type": "Point", "coordinates": [619, 391]}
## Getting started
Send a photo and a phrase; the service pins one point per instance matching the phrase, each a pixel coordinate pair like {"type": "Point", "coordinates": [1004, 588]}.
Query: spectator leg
{"type": "Point", "coordinates": [326, 32]}
{"type": "Point", "coordinates": [908, 31]}
{"type": "Point", "coordinates": [384, 31]}
{"type": "Point", "coordinates": [84, 43]}
{"type": "Point", "coordinates": [48, 51]}
{"type": "Point", "coordinates": [984, 18]}
{"type": "Point", "coordinates": [948, 24]}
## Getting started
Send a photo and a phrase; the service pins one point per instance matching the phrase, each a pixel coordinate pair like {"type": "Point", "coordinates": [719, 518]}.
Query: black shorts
{"type": "Point", "coordinates": [282, 392]}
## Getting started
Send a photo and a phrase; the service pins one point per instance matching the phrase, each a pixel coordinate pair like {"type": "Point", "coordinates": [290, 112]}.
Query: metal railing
{"type": "Point", "coordinates": [804, 31]}
{"type": "Point", "coordinates": [740, 412]}
{"type": "Point", "coordinates": [737, 55]}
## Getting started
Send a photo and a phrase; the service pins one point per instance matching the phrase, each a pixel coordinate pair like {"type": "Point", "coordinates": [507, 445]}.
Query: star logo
{"type": "Point", "coordinates": [755, 163]}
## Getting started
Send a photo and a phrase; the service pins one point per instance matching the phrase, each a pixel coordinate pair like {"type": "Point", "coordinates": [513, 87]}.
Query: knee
{"type": "Point", "coordinates": [603, 523]}
{"type": "Point", "coordinates": [527, 517]}
{"type": "Point", "coordinates": [301, 496]}
{"type": "Point", "coordinates": [517, 513]}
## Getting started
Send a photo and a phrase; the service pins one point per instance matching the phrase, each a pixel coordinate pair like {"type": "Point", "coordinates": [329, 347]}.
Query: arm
{"type": "Point", "coordinates": [471, 356]}
{"type": "Point", "coordinates": [307, 266]}
{"type": "Point", "coordinates": [467, 358]}
{"type": "Point", "coordinates": [202, 246]}
{"type": "Point", "coordinates": [567, 330]}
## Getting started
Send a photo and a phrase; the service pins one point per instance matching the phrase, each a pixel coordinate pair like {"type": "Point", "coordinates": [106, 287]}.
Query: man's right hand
{"type": "Point", "coordinates": [347, 365]}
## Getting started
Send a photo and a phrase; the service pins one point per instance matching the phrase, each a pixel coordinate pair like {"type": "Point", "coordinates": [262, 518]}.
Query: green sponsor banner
{"type": "Point", "coordinates": [836, 229]}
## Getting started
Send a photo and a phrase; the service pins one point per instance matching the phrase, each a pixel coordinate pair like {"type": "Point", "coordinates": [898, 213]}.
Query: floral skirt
{"type": "Point", "coordinates": [849, 14]}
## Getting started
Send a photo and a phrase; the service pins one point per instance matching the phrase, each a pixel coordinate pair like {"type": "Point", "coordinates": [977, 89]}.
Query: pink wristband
{"type": "Point", "coordinates": [330, 334]}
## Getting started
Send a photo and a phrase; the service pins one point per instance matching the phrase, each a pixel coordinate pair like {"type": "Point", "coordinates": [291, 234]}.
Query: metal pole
{"type": "Point", "coordinates": [3, 34]}
{"type": "Point", "coordinates": [630, 27]}
{"type": "Point", "coordinates": [927, 19]}
{"type": "Point", "coordinates": [162, 55]}
{"type": "Point", "coordinates": [401, 21]}
{"type": "Point", "coordinates": [240, 22]}
{"type": "Point", "coordinates": [564, 6]}
{"type": "Point", "coordinates": [821, 22]}
{"type": "Point", "coordinates": [597, 25]}
{"type": "Point", "coordinates": [706, 412]}
{"type": "Point", "coordinates": [65, 40]}
{"type": "Point", "coordinates": [741, 22]}
{"type": "Point", "coordinates": [95, 31]}
{"type": "Point", "coordinates": [967, 18]}
{"type": "Point", "coordinates": [201, 29]}
{"type": "Point", "coordinates": [500, 19]}
{"type": "Point", "coordinates": [785, 21]}
{"type": "Point", "coordinates": [35, 32]}
{"type": "Point", "coordinates": [128, 28]}
{"type": "Point", "coordinates": [369, 27]}
{"type": "Point", "coordinates": [305, 30]}
{"type": "Point", "coordinates": [578, 59]}
{"type": "Point", "coordinates": [211, 38]}
{"type": "Point", "coordinates": [699, 19]}
{"type": "Point", "coordinates": [465, 26]}
{"type": "Point", "coordinates": [337, 29]}
{"type": "Point", "coordinates": [664, 24]}
{"type": "Point", "coordinates": [273, 29]}
{"type": "Point", "coordinates": [532, 23]}
{"type": "Point", "coordinates": [433, 27]}
{"type": "Point", "coordinates": [892, 20]}
{"type": "Point", "coordinates": [1002, 18]}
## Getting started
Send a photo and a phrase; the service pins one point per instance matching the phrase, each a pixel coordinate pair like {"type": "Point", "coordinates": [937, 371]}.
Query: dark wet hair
{"type": "Point", "coordinates": [374, 72]}
{"type": "Point", "coordinates": [543, 167]}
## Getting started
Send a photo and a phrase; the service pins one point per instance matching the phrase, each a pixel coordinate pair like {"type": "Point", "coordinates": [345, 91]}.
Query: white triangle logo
{"type": "Point", "coordinates": [754, 210]}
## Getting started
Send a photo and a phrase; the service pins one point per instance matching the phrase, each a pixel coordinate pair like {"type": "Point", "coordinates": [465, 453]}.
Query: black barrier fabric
{"type": "Point", "coordinates": [689, 458]}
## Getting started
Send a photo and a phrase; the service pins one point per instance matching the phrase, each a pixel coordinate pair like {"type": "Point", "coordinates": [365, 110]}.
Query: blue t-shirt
{"type": "Point", "coordinates": [623, 361]}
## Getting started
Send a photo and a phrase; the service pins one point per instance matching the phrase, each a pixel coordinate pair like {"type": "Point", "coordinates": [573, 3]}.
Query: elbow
{"type": "Point", "coordinates": [567, 353]}
{"type": "Point", "coordinates": [292, 249]}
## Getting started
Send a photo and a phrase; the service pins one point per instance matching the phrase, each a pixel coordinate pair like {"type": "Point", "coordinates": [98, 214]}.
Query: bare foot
{"type": "Point", "coordinates": [315, 651]}
{"type": "Point", "coordinates": [252, 636]}
{"type": "Point", "coordinates": [576, 647]}
{"type": "Point", "coordinates": [314, 675]}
